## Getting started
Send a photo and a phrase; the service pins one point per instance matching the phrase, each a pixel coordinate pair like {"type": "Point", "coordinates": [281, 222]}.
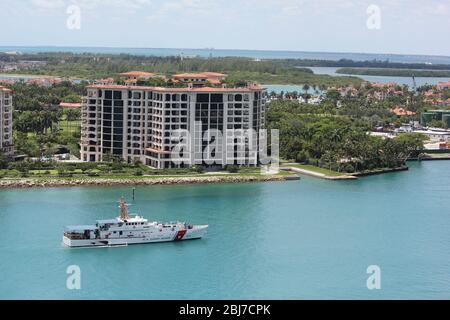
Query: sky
{"type": "Point", "coordinates": [369, 26]}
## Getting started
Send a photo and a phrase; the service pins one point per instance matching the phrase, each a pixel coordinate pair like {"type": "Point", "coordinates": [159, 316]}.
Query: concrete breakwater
{"type": "Point", "coordinates": [51, 183]}
{"type": "Point", "coordinates": [345, 176]}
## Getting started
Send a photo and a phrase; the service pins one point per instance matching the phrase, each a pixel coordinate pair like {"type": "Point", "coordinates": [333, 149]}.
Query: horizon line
{"type": "Point", "coordinates": [228, 49]}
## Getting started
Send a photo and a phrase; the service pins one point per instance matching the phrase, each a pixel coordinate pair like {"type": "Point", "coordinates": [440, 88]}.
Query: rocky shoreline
{"type": "Point", "coordinates": [379, 171]}
{"type": "Point", "coordinates": [53, 183]}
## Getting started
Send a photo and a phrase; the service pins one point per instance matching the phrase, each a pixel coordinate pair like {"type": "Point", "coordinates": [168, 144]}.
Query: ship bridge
{"type": "Point", "coordinates": [80, 228]}
{"type": "Point", "coordinates": [108, 221]}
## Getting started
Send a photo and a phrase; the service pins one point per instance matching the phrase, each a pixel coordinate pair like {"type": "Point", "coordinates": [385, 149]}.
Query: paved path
{"type": "Point", "coordinates": [320, 175]}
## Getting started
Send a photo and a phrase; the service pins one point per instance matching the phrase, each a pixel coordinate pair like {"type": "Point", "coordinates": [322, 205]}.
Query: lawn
{"type": "Point", "coordinates": [69, 126]}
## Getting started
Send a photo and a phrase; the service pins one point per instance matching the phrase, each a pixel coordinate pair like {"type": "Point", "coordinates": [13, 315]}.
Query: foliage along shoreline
{"type": "Point", "coordinates": [395, 72]}
{"type": "Point", "coordinates": [97, 66]}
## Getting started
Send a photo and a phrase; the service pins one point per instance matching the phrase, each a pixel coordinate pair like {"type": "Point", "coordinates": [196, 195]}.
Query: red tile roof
{"type": "Point", "coordinates": [190, 75]}
{"type": "Point", "coordinates": [399, 111]}
{"type": "Point", "coordinates": [202, 75]}
{"type": "Point", "coordinates": [69, 105]}
{"type": "Point", "coordinates": [137, 74]}
{"type": "Point", "coordinates": [4, 89]}
{"type": "Point", "coordinates": [166, 89]}
{"type": "Point", "coordinates": [383, 85]}
{"type": "Point", "coordinates": [442, 85]}
{"type": "Point", "coordinates": [215, 74]}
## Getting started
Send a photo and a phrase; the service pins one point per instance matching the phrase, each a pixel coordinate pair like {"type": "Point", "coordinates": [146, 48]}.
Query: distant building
{"type": "Point", "coordinates": [314, 100]}
{"type": "Point", "coordinates": [383, 85]}
{"type": "Point", "coordinates": [402, 112]}
{"type": "Point", "coordinates": [137, 123]}
{"type": "Point", "coordinates": [6, 121]}
{"type": "Point", "coordinates": [200, 79]}
{"type": "Point", "coordinates": [21, 65]}
{"type": "Point", "coordinates": [6, 82]}
{"type": "Point", "coordinates": [132, 77]}
{"type": "Point", "coordinates": [104, 82]}
{"type": "Point", "coordinates": [348, 91]}
{"type": "Point", "coordinates": [443, 85]}
{"type": "Point", "coordinates": [435, 115]}
{"type": "Point", "coordinates": [136, 75]}
{"type": "Point", "coordinates": [44, 81]}
{"type": "Point", "coordinates": [437, 146]}
{"type": "Point", "coordinates": [435, 135]}
{"type": "Point", "coordinates": [382, 91]}
{"type": "Point", "coordinates": [384, 135]}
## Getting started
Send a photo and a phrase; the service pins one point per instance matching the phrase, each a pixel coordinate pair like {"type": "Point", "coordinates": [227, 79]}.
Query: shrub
{"type": "Point", "coordinates": [64, 174]}
{"type": "Point", "coordinates": [302, 157]}
{"type": "Point", "coordinates": [116, 166]}
{"type": "Point", "coordinates": [198, 169]}
{"type": "Point", "coordinates": [349, 168]}
{"type": "Point", "coordinates": [232, 169]}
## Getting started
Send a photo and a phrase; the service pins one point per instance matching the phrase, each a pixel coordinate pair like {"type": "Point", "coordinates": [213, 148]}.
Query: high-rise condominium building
{"type": "Point", "coordinates": [6, 137]}
{"type": "Point", "coordinates": [139, 123]}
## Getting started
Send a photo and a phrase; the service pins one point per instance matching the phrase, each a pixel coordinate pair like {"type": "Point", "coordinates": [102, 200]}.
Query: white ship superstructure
{"type": "Point", "coordinates": [126, 229]}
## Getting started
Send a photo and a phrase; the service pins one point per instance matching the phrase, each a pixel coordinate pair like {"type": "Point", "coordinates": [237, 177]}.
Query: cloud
{"type": "Point", "coordinates": [127, 4]}
{"type": "Point", "coordinates": [184, 7]}
{"type": "Point", "coordinates": [48, 4]}
{"type": "Point", "coordinates": [439, 8]}
{"type": "Point", "coordinates": [90, 4]}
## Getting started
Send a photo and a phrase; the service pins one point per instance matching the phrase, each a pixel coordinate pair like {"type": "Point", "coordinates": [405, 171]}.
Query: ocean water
{"type": "Point", "coordinates": [261, 54]}
{"type": "Point", "coordinates": [285, 240]}
{"type": "Point", "coordinates": [420, 81]}
{"type": "Point", "coordinates": [278, 88]}
{"type": "Point", "coordinates": [4, 76]}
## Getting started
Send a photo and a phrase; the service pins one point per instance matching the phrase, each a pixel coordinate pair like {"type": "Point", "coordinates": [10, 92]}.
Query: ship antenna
{"type": "Point", "coordinates": [123, 209]}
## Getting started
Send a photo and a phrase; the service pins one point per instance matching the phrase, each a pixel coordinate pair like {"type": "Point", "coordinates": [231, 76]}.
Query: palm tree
{"type": "Point", "coordinates": [306, 87]}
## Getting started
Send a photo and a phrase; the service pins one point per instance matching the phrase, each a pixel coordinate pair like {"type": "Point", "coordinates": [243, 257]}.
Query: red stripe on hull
{"type": "Point", "coordinates": [180, 235]}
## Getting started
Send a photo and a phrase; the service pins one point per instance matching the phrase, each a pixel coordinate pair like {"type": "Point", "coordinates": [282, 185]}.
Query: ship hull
{"type": "Point", "coordinates": [181, 235]}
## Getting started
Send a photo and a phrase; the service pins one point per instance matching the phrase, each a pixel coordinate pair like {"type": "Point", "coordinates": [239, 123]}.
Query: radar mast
{"type": "Point", "coordinates": [123, 206]}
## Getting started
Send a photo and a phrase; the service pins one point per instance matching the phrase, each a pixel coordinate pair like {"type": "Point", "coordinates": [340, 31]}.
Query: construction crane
{"type": "Point", "coordinates": [414, 83]}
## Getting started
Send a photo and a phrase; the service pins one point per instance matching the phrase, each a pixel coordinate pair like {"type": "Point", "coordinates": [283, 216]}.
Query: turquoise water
{"type": "Point", "coordinates": [420, 81]}
{"type": "Point", "coordinates": [283, 240]}
{"type": "Point", "coordinates": [4, 76]}
{"type": "Point", "coordinates": [278, 88]}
